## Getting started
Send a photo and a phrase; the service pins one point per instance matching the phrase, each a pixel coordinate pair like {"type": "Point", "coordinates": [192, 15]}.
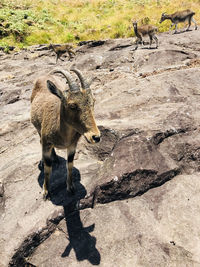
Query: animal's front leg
{"type": "Point", "coordinates": [189, 24]}
{"type": "Point", "coordinates": [176, 27]}
{"type": "Point", "coordinates": [138, 40]}
{"type": "Point", "coordinates": [171, 26]}
{"type": "Point", "coordinates": [47, 160]}
{"type": "Point", "coordinates": [156, 40]}
{"type": "Point", "coordinates": [71, 54]}
{"type": "Point", "coordinates": [70, 164]}
{"type": "Point", "coordinates": [150, 43]}
{"type": "Point", "coordinates": [193, 20]}
{"type": "Point", "coordinates": [57, 57]}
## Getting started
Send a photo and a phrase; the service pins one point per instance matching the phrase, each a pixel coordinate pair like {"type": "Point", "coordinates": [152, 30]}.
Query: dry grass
{"type": "Point", "coordinates": [74, 21]}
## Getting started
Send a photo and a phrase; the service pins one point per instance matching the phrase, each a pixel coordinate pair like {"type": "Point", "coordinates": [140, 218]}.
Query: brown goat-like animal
{"type": "Point", "coordinates": [61, 116]}
{"type": "Point", "coordinates": [180, 16]}
{"type": "Point", "coordinates": [143, 30]}
{"type": "Point", "coordinates": [62, 49]}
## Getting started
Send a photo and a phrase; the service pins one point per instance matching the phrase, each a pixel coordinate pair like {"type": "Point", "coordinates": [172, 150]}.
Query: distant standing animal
{"type": "Point", "coordinates": [180, 16]}
{"type": "Point", "coordinates": [143, 30]}
{"type": "Point", "coordinates": [61, 116]}
{"type": "Point", "coordinates": [62, 49]}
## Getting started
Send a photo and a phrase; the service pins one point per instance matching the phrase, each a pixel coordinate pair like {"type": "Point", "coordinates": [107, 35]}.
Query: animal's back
{"type": "Point", "coordinates": [38, 88]}
{"type": "Point", "coordinates": [183, 13]}
{"type": "Point", "coordinates": [146, 29]}
{"type": "Point", "coordinates": [42, 101]}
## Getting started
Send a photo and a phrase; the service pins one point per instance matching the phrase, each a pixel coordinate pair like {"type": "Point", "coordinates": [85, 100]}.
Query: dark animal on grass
{"type": "Point", "coordinates": [145, 30]}
{"type": "Point", "coordinates": [180, 16]}
{"type": "Point", "coordinates": [61, 116]}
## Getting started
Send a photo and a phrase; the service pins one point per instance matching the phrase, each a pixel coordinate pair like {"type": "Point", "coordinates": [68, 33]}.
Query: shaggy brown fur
{"type": "Point", "coordinates": [143, 30]}
{"type": "Point", "coordinates": [62, 49]}
{"type": "Point", "coordinates": [61, 116]}
{"type": "Point", "coordinates": [180, 16]}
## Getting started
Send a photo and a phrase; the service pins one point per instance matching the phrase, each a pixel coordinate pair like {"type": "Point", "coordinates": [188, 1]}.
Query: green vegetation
{"type": "Point", "coordinates": [26, 22]}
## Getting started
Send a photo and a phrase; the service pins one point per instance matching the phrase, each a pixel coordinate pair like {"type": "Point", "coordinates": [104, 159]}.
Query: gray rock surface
{"type": "Point", "coordinates": [142, 180]}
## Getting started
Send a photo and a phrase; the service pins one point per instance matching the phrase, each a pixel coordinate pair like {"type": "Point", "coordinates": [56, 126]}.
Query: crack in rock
{"type": "Point", "coordinates": [34, 240]}
{"type": "Point", "coordinates": [160, 137]}
{"type": "Point", "coordinates": [128, 186]}
{"type": "Point", "coordinates": [91, 43]}
{"type": "Point", "coordinates": [191, 64]}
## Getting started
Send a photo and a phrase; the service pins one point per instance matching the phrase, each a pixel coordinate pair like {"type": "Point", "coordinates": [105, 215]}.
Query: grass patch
{"type": "Point", "coordinates": [25, 22]}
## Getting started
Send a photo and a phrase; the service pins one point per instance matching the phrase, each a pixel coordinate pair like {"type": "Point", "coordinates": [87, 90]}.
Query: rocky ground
{"type": "Point", "coordinates": [138, 191]}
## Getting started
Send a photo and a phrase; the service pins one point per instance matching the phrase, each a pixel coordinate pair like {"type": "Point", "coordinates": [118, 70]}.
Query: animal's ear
{"type": "Point", "coordinates": [54, 90]}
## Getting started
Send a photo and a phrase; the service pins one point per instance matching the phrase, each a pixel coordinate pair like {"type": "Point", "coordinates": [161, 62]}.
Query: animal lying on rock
{"type": "Point", "coordinates": [62, 49]}
{"type": "Point", "coordinates": [143, 30]}
{"type": "Point", "coordinates": [61, 116]}
{"type": "Point", "coordinates": [180, 16]}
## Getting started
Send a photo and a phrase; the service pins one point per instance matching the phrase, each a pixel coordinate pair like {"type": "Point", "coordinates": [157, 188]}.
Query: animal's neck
{"type": "Point", "coordinates": [168, 17]}
{"type": "Point", "coordinates": [63, 116]}
{"type": "Point", "coordinates": [52, 47]}
{"type": "Point", "coordinates": [66, 129]}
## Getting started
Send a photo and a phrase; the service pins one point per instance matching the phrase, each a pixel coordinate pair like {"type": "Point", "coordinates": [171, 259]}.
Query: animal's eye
{"type": "Point", "coordinates": [73, 106]}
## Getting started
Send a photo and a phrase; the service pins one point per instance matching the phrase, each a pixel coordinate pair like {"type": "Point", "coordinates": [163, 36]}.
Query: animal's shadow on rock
{"type": "Point", "coordinates": [58, 194]}
{"type": "Point", "coordinates": [80, 240]}
{"type": "Point", "coordinates": [182, 31]}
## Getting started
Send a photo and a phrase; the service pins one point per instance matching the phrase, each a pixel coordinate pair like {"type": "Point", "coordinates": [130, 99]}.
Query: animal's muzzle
{"type": "Point", "coordinates": [92, 137]}
{"type": "Point", "coordinates": [96, 138]}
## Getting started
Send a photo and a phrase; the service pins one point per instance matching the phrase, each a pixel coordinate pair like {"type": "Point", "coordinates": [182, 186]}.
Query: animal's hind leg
{"type": "Point", "coordinates": [41, 163]}
{"type": "Point", "coordinates": [150, 43]}
{"type": "Point", "coordinates": [193, 20]}
{"type": "Point", "coordinates": [57, 57]}
{"type": "Point", "coordinates": [47, 160]}
{"type": "Point", "coordinates": [156, 40]}
{"type": "Point", "coordinates": [176, 28]}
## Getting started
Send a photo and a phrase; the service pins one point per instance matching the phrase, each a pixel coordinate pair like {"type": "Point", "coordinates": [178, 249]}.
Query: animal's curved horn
{"type": "Point", "coordinates": [72, 84]}
{"type": "Point", "coordinates": [84, 82]}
